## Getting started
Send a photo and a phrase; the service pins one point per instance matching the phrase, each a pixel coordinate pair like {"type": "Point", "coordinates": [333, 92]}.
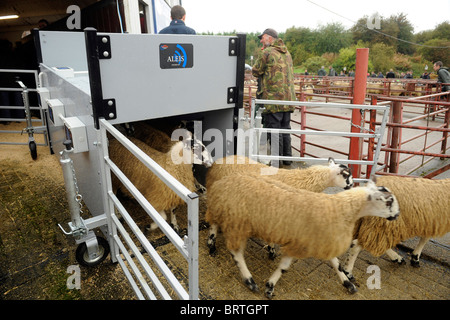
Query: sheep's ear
{"type": "Point", "coordinates": [373, 178]}
{"type": "Point", "coordinates": [331, 161]}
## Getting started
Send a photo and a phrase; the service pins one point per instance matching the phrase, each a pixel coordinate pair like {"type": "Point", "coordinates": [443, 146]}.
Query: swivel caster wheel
{"type": "Point", "coordinates": [82, 254]}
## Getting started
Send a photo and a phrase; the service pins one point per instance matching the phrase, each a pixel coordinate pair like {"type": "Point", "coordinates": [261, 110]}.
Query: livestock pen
{"type": "Point", "coordinates": [421, 120]}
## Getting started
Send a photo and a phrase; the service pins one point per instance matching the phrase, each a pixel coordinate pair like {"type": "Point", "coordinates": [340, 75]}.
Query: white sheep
{"type": "Point", "coordinates": [425, 213]}
{"type": "Point", "coordinates": [177, 161]}
{"type": "Point", "coordinates": [315, 178]}
{"type": "Point", "coordinates": [161, 141]}
{"type": "Point", "coordinates": [304, 223]}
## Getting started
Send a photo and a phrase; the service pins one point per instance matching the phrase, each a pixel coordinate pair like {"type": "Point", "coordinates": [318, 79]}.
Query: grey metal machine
{"type": "Point", "coordinates": [94, 81]}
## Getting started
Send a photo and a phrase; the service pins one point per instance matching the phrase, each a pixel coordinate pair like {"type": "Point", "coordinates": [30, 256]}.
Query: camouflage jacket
{"type": "Point", "coordinates": [276, 72]}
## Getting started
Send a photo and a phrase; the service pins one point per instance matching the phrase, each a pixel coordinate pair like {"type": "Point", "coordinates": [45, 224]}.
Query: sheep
{"type": "Point", "coordinates": [397, 89]}
{"type": "Point", "coordinates": [309, 89]}
{"type": "Point", "coordinates": [161, 141]}
{"type": "Point", "coordinates": [153, 137]}
{"type": "Point", "coordinates": [305, 223]}
{"type": "Point", "coordinates": [177, 161]}
{"type": "Point", "coordinates": [424, 205]}
{"type": "Point", "coordinates": [375, 87]}
{"type": "Point", "coordinates": [315, 178]}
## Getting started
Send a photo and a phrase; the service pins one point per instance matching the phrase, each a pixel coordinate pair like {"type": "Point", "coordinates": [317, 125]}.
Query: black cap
{"type": "Point", "coordinates": [269, 32]}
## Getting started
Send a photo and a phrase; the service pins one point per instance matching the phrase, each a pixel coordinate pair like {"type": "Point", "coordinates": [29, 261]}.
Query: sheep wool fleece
{"type": "Point", "coordinates": [424, 212]}
{"type": "Point", "coordinates": [292, 218]}
{"type": "Point", "coordinates": [154, 190]}
{"type": "Point", "coordinates": [315, 178]}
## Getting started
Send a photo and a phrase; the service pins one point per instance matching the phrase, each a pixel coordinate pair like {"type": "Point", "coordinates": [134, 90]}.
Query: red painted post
{"type": "Point", "coordinates": [445, 134]}
{"type": "Point", "coordinates": [359, 95]}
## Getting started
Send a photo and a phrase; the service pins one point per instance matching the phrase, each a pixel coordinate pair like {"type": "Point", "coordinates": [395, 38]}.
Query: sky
{"type": "Point", "coordinates": [256, 15]}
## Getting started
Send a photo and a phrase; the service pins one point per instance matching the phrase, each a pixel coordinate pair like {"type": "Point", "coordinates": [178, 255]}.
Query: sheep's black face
{"type": "Point", "coordinates": [393, 218]}
{"type": "Point", "coordinates": [346, 174]}
{"type": "Point", "coordinates": [201, 154]}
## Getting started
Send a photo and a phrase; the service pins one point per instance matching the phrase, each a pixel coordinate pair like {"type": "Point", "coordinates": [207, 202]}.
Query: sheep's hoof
{"type": "Point", "coordinates": [212, 251]}
{"type": "Point", "coordinates": [351, 278]}
{"type": "Point", "coordinates": [251, 284]}
{"type": "Point", "coordinates": [350, 287]}
{"type": "Point", "coordinates": [269, 290]}
{"type": "Point", "coordinates": [272, 254]}
{"type": "Point", "coordinates": [399, 261]}
{"type": "Point", "coordinates": [415, 261]}
{"type": "Point", "coordinates": [348, 275]}
{"type": "Point", "coordinates": [175, 228]}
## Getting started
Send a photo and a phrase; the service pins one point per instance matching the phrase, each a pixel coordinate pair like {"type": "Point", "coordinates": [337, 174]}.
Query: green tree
{"type": "Point", "coordinates": [382, 56]}
{"type": "Point", "coordinates": [442, 31]}
{"type": "Point", "coordinates": [331, 38]}
{"type": "Point", "coordinates": [393, 28]}
{"type": "Point", "coordinates": [436, 50]}
{"type": "Point", "coordinates": [313, 64]}
{"type": "Point", "coordinates": [405, 33]}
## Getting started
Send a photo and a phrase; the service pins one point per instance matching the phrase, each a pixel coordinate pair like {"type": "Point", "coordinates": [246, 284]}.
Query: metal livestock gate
{"type": "Point", "coordinates": [91, 82]}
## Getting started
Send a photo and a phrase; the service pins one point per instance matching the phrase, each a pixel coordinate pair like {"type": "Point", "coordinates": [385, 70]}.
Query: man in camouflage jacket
{"type": "Point", "coordinates": [275, 71]}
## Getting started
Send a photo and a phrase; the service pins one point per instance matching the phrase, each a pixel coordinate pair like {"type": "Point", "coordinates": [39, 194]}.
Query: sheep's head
{"type": "Point", "coordinates": [341, 175]}
{"type": "Point", "coordinates": [201, 155]}
{"type": "Point", "coordinates": [381, 202]}
{"type": "Point", "coordinates": [190, 150]}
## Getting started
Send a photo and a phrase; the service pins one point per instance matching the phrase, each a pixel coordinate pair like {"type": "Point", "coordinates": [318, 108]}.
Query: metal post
{"type": "Point", "coordinates": [302, 126]}
{"type": "Point", "coordinates": [445, 134]}
{"type": "Point", "coordinates": [359, 95]}
{"type": "Point", "coordinates": [373, 119]}
{"type": "Point", "coordinates": [70, 184]}
{"type": "Point", "coordinates": [397, 108]}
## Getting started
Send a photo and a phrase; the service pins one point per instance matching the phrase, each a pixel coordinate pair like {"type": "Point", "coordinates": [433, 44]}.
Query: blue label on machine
{"type": "Point", "coordinates": [173, 56]}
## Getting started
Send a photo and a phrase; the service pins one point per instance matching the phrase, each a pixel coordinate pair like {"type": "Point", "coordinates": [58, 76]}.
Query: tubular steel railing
{"type": "Point", "coordinates": [188, 247]}
{"type": "Point", "coordinates": [376, 134]}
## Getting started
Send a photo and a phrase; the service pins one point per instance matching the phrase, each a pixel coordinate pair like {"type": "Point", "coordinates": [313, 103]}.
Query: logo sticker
{"type": "Point", "coordinates": [174, 56]}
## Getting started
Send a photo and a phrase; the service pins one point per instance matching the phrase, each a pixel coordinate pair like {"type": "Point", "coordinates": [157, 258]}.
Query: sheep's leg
{"type": "Point", "coordinates": [153, 225]}
{"type": "Point", "coordinates": [395, 257]}
{"type": "Point", "coordinates": [354, 250]}
{"type": "Point", "coordinates": [173, 220]}
{"type": "Point", "coordinates": [284, 265]}
{"type": "Point", "coordinates": [272, 251]}
{"type": "Point", "coordinates": [212, 239]}
{"type": "Point", "coordinates": [417, 251]}
{"type": "Point", "coordinates": [238, 257]}
{"type": "Point", "coordinates": [344, 280]}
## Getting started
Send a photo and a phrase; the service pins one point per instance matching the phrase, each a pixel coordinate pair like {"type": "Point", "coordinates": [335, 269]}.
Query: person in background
{"type": "Point", "coordinates": [443, 75]}
{"type": "Point", "coordinates": [322, 72]}
{"type": "Point", "coordinates": [177, 25]}
{"type": "Point", "coordinates": [390, 74]}
{"type": "Point", "coordinates": [425, 75]}
{"type": "Point", "coordinates": [332, 73]}
{"type": "Point", "coordinates": [275, 70]}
